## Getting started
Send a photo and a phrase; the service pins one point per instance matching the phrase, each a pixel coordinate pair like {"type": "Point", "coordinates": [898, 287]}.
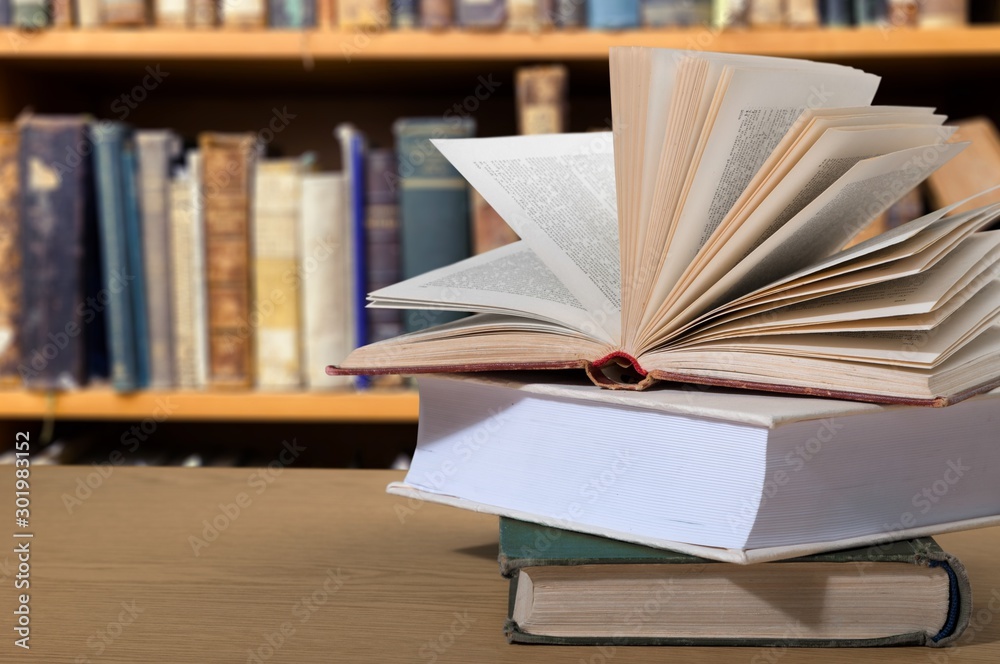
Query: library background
{"type": "Point", "coordinates": [196, 195]}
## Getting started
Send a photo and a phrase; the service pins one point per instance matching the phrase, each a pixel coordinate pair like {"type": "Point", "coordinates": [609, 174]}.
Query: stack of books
{"type": "Point", "coordinates": [768, 395]}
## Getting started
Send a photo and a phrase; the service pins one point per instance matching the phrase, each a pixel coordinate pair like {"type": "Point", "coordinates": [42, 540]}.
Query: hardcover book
{"type": "Point", "coordinates": [717, 258]}
{"type": "Point", "coordinates": [293, 13]}
{"type": "Point", "coordinates": [435, 14]}
{"type": "Point", "coordinates": [62, 13]}
{"type": "Point", "coordinates": [327, 276]}
{"type": "Point", "coordinates": [804, 13]}
{"type": "Point", "coordinates": [766, 13]}
{"type": "Point", "coordinates": [362, 13]}
{"type": "Point", "coordinates": [29, 14]}
{"type": "Point", "coordinates": [382, 240]}
{"type": "Point", "coordinates": [481, 14]}
{"type": "Point", "coordinates": [612, 14]}
{"type": "Point", "coordinates": [674, 13]}
{"type": "Point", "coordinates": [405, 14]}
{"type": "Point", "coordinates": [121, 13]}
{"type": "Point", "coordinates": [354, 151]}
{"type": "Point", "coordinates": [88, 14]}
{"type": "Point", "coordinates": [871, 12]}
{"type": "Point", "coordinates": [187, 274]}
{"type": "Point", "coordinates": [943, 13]}
{"type": "Point", "coordinates": [11, 300]}
{"type": "Point", "coordinates": [53, 210]}
{"type": "Point", "coordinates": [203, 14]}
{"type": "Point", "coordinates": [227, 162]}
{"type": "Point", "coordinates": [157, 149]}
{"type": "Point", "coordinates": [433, 204]}
{"type": "Point", "coordinates": [244, 14]}
{"type": "Point", "coordinates": [721, 474]}
{"type": "Point", "coordinates": [277, 206]}
{"type": "Point", "coordinates": [569, 588]}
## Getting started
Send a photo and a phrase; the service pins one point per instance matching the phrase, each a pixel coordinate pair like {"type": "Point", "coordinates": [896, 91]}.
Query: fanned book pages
{"type": "Point", "coordinates": [703, 241]}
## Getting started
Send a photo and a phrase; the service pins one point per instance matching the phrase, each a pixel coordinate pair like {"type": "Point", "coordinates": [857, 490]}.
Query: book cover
{"type": "Point", "coordinates": [483, 14]}
{"type": "Point", "coordinates": [277, 206]}
{"type": "Point", "coordinates": [53, 207]}
{"type": "Point", "coordinates": [293, 13]}
{"type": "Point", "coordinates": [326, 277]}
{"type": "Point", "coordinates": [616, 462]}
{"type": "Point", "coordinates": [918, 566]}
{"type": "Point", "coordinates": [244, 14]}
{"type": "Point", "coordinates": [119, 275]}
{"type": "Point", "coordinates": [674, 13]}
{"type": "Point", "coordinates": [157, 149]}
{"type": "Point", "coordinates": [382, 240]}
{"type": "Point", "coordinates": [433, 202]}
{"type": "Point", "coordinates": [612, 14]}
{"type": "Point", "coordinates": [227, 163]}
{"type": "Point", "coordinates": [122, 13]}
{"type": "Point", "coordinates": [10, 255]}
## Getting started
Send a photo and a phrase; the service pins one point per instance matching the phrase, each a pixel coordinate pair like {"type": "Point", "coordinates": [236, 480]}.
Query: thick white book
{"type": "Point", "coordinates": [727, 475]}
{"type": "Point", "coordinates": [325, 278]}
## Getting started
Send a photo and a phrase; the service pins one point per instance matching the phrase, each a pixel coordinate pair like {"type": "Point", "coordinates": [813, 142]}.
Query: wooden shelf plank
{"type": "Point", "coordinates": [348, 46]}
{"type": "Point", "coordinates": [398, 406]}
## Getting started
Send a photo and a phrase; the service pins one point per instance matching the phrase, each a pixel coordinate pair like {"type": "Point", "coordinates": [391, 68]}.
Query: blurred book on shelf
{"type": "Point", "coordinates": [975, 169]}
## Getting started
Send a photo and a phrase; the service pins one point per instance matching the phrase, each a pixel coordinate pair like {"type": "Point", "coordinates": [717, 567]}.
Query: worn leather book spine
{"type": "Point", "coordinates": [227, 160]}
{"type": "Point", "coordinates": [10, 255]}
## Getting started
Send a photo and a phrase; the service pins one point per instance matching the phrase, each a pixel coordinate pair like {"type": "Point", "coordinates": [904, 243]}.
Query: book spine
{"type": "Point", "coordinates": [522, 15]}
{"type": "Point", "coordinates": [903, 13]}
{"type": "Point", "coordinates": [88, 14]}
{"type": "Point", "coordinates": [835, 13]}
{"type": "Point", "coordinates": [434, 205]}
{"type": "Point", "coordinates": [325, 278]}
{"type": "Point", "coordinates": [203, 14]}
{"type": "Point", "coordinates": [199, 289]}
{"type": "Point", "coordinates": [136, 266]}
{"type": "Point", "coordinates": [871, 12]}
{"type": "Point", "coordinates": [182, 252]}
{"type": "Point", "coordinates": [612, 14]}
{"type": "Point", "coordinates": [62, 13]}
{"type": "Point", "coordinates": [943, 13]}
{"type": "Point", "coordinates": [108, 139]}
{"type": "Point", "coordinates": [382, 235]}
{"type": "Point", "coordinates": [10, 254]}
{"type": "Point", "coordinates": [227, 160]}
{"type": "Point", "coordinates": [435, 14]}
{"type": "Point", "coordinates": [293, 13]}
{"type": "Point", "coordinates": [767, 13]}
{"type": "Point", "coordinates": [277, 204]}
{"type": "Point", "coordinates": [541, 99]}
{"type": "Point", "coordinates": [405, 14]}
{"type": "Point", "coordinates": [171, 13]}
{"type": "Point", "coordinates": [676, 13]}
{"type": "Point", "coordinates": [123, 13]}
{"type": "Point", "coordinates": [353, 149]}
{"type": "Point", "coordinates": [730, 13]}
{"type": "Point", "coordinates": [5, 12]}
{"type": "Point", "coordinates": [156, 151]}
{"type": "Point", "coordinates": [569, 13]}
{"type": "Point", "coordinates": [481, 14]}
{"type": "Point", "coordinates": [802, 13]}
{"type": "Point", "coordinates": [362, 13]}
{"type": "Point", "coordinates": [244, 14]}
{"type": "Point", "coordinates": [52, 238]}
{"type": "Point", "coordinates": [29, 13]}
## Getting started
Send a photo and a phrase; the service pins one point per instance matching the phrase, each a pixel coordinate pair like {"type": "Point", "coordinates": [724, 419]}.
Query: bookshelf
{"type": "Point", "coordinates": [232, 80]}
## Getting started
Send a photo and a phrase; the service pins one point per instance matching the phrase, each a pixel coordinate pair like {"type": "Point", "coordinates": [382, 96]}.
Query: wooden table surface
{"type": "Point", "coordinates": [316, 566]}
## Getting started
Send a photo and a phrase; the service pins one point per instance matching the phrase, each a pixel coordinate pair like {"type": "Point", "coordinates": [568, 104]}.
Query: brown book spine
{"type": "Point", "coordinates": [226, 168]}
{"type": "Point", "coordinates": [203, 14]}
{"type": "Point", "coordinates": [435, 14]}
{"type": "Point", "coordinates": [10, 255]}
{"type": "Point", "coordinates": [124, 13]}
{"type": "Point", "coordinates": [541, 99]}
{"type": "Point", "coordinates": [62, 13]}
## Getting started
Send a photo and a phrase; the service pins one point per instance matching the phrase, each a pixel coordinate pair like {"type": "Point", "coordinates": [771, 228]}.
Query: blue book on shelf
{"type": "Point", "coordinates": [612, 14]}
{"type": "Point", "coordinates": [835, 13]}
{"type": "Point", "coordinates": [353, 149]}
{"type": "Point", "coordinates": [871, 12]}
{"type": "Point", "coordinates": [108, 141]}
{"type": "Point", "coordinates": [292, 13]}
{"type": "Point", "coordinates": [433, 204]}
{"type": "Point", "coordinates": [133, 240]}
{"type": "Point", "coordinates": [405, 13]}
{"type": "Point", "coordinates": [5, 18]}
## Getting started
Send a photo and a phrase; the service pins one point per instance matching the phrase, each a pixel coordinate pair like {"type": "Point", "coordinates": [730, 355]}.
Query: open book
{"type": "Point", "coordinates": [702, 240]}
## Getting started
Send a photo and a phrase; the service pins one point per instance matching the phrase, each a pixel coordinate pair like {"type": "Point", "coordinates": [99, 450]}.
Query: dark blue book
{"type": "Point", "coordinates": [134, 246]}
{"type": "Point", "coordinates": [612, 14]}
{"type": "Point", "coordinates": [292, 13]}
{"type": "Point", "coordinates": [118, 273]}
{"type": "Point", "coordinates": [871, 12]}
{"type": "Point", "coordinates": [480, 14]}
{"type": "Point", "coordinates": [405, 13]}
{"type": "Point", "coordinates": [353, 149]}
{"type": "Point", "coordinates": [54, 173]}
{"type": "Point", "coordinates": [433, 204]}
{"type": "Point", "coordinates": [835, 13]}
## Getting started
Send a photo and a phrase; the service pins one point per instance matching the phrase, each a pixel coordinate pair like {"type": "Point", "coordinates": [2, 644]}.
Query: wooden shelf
{"type": "Point", "coordinates": [398, 406]}
{"type": "Point", "coordinates": [346, 46]}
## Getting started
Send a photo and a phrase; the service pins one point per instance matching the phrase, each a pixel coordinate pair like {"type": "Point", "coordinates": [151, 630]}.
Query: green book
{"type": "Point", "coordinates": [568, 588]}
